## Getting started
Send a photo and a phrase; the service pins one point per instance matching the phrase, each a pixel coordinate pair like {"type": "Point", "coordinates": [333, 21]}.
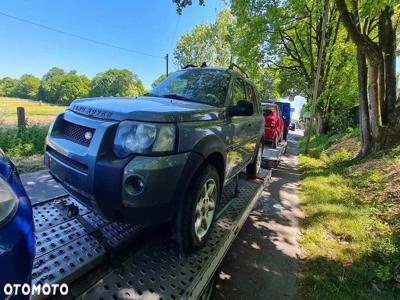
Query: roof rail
{"type": "Point", "coordinates": [239, 68]}
{"type": "Point", "coordinates": [203, 65]}
{"type": "Point", "coordinates": [189, 66]}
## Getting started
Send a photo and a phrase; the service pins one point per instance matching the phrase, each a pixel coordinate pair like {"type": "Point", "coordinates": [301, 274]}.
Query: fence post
{"type": "Point", "coordinates": [21, 117]}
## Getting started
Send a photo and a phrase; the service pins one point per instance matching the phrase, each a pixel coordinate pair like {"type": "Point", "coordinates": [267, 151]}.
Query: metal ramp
{"type": "Point", "coordinates": [121, 261]}
{"type": "Point", "coordinates": [272, 157]}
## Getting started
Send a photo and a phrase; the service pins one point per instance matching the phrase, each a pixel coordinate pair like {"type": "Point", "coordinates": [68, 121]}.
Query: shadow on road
{"type": "Point", "coordinates": [263, 259]}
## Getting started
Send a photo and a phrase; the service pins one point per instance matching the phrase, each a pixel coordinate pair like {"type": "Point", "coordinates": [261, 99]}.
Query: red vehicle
{"type": "Point", "coordinates": [274, 126]}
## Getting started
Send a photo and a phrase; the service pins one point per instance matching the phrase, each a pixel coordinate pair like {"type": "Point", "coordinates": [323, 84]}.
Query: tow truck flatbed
{"type": "Point", "coordinates": [104, 260]}
{"type": "Point", "coordinates": [272, 156]}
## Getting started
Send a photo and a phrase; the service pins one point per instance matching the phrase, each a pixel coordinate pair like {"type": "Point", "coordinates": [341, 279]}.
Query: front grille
{"type": "Point", "coordinates": [67, 160]}
{"type": "Point", "coordinates": [77, 133]}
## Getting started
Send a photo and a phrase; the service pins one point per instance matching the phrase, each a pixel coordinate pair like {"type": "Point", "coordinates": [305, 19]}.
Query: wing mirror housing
{"type": "Point", "coordinates": [242, 108]}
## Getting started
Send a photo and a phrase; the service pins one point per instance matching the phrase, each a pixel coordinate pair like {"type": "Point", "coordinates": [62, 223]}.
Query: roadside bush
{"type": "Point", "coordinates": [22, 143]}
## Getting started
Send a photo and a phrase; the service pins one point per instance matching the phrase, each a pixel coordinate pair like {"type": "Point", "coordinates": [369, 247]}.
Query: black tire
{"type": "Point", "coordinates": [184, 231]}
{"type": "Point", "coordinates": [253, 168]}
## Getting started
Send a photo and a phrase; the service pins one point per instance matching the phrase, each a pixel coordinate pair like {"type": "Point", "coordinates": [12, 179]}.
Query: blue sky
{"type": "Point", "coordinates": [150, 26]}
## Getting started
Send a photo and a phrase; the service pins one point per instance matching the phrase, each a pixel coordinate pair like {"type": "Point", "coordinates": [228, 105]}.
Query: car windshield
{"type": "Point", "coordinates": [207, 86]}
{"type": "Point", "coordinates": [267, 109]}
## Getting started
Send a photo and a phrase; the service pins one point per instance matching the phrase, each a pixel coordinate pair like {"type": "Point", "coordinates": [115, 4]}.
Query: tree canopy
{"type": "Point", "coordinates": [116, 82]}
{"type": "Point", "coordinates": [27, 87]}
{"type": "Point", "coordinates": [58, 86]}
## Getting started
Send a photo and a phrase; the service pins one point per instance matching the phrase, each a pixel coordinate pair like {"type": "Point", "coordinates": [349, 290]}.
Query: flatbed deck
{"type": "Point", "coordinates": [104, 260]}
{"type": "Point", "coordinates": [272, 156]}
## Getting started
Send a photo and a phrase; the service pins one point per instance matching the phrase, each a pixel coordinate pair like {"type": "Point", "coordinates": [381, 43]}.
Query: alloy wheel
{"type": "Point", "coordinates": [205, 208]}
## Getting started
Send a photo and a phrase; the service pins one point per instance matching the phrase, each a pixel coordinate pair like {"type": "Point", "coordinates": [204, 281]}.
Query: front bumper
{"type": "Point", "coordinates": [101, 184]}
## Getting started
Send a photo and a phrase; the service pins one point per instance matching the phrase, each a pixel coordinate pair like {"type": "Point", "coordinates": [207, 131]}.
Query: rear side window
{"type": "Point", "coordinates": [267, 112]}
{"type": "Point", "coordinates": [251, 96]}
{"type": "Point", "coordinates": [238, 91]}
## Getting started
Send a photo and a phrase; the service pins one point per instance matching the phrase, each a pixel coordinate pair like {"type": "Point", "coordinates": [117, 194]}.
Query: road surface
{"type": "Point", "coordinates": [263, 259]}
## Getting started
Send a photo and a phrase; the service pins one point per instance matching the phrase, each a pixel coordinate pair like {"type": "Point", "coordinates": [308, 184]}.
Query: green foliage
{"type": "Point", "coordinates": [26, 142]}
{"type": "Point", "coordinates": [210, 43]}
{"type": "Point", "coordinates": [158, 80]}
{"type": "Point", "coordinates": [57, 86]}
{"type": "Point", "coordinates": [349, 239]}
{"type": "Point", "coordinates": [280, 40]}
{"type": "Point", "coordinates": [27, 87]}
{"type": "Point", "coordinates": [73, 86]}
{"type": "Point", "coordinates": [116, 82]}
{"type": "Point", "coordinates": [49, 87]}
{"type": "Point", "coordinates": [7, 86]}
{"type": "Point", "coordinates": [181, 4]}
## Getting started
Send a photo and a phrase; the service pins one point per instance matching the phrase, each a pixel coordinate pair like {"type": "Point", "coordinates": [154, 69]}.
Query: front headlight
{"type": "Point", "coordinates": [144, 138]}
{"type": "Point", "coordinates": [8, 201]}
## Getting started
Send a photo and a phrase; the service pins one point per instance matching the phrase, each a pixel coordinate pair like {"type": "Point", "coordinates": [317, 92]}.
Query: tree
{"type": "Point", "coordinates": [50, 85]}
{"type": "Point", "coordinates": [73, 86]}
{"type": "Point", "coordinates": [116, 82]}
{"type": "Point", "coordinates": [181, 4]}
{"type": "Point", "coordinates": [283, 37]}
{"type": "Point", "coordinates": [210, 43]}
{"type": "Point", "coordinates": [27, 87]}
{"type": "Point", "coordinates": [371, 25]}
{"type": "Point", "coordinates": [158, 80]}
{"type": "Point", "coordinates": [7, 86]}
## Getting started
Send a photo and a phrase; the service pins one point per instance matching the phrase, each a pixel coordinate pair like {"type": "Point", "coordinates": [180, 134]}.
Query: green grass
{"type": "Point", "coordinates": [26, 142]}
{"type": "Point", "coordinates": [351, 233]}
{"type": "Point", "coordinates": [36, 112]}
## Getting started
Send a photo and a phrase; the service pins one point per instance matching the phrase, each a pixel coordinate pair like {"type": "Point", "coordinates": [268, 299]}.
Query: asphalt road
{"type": "Point", "coordinates": [262, 262]}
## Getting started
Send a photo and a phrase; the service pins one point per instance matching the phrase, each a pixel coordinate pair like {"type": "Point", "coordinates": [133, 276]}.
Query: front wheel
{"type": "Point", "coordinates": [197, 214]}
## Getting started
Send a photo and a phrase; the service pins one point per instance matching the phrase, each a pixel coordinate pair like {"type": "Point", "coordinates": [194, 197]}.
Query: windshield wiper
{"type": "Point", "coordinates": [175, 96]}
{"type": "Point", "coordinates": [150, 95]}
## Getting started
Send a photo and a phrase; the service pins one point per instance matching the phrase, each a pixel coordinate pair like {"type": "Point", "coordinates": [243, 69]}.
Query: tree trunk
{"type": "Point", "coordinates": [365, 128]}
{"type": "Point", "coordinates": [322, 124]}
{"type": "Point", "coordinates": [374, 105]}
{"type": "Point", "coordinates": [387, 41]}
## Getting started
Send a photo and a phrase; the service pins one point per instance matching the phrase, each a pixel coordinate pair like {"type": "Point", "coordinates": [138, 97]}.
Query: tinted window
{"type": "Point", "coordinates": [267, 110]}
{"type": "Point", "coordinates": [238, 91]}
{"type": "Point", "coordinates": [197, 85]}
{"type": "Point", "coordinates": [251, 96]}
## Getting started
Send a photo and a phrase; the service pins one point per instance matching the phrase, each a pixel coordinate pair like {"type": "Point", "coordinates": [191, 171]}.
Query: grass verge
{"type": "Point", "coordinates": [25, 147]}
{"type": "Point", "coordinates": [351, 232]}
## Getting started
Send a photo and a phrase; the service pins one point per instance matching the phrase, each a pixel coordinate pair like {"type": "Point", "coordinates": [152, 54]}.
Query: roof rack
{"type": "Point", "coordinates": [189, 66]}
{"type": "Point", "coordinates": [239, 68]}
{"type": "Point", "coordinates": [203, 65]}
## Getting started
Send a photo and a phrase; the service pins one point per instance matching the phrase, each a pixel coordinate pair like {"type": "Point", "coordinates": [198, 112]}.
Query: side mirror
{"type": "Point", "coordinates": [242, 108]}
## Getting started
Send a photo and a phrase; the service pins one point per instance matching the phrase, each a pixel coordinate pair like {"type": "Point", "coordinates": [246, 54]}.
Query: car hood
{"type": "Point", "coordinates": [153, 109]}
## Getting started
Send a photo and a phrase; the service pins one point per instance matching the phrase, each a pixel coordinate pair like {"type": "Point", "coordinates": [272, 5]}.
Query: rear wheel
{"type": "Point", "coordinates": [253, 168]}
{"type": "Point", "coordinates": [197, 214]}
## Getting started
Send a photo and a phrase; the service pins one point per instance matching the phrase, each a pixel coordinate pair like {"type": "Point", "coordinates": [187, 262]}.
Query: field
{"type": "Point", "coordinates": [36, 112]}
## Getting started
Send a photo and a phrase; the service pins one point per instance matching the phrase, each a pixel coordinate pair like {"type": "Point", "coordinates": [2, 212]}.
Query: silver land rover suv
{"type": "Point", "coordinates": [162, 157]}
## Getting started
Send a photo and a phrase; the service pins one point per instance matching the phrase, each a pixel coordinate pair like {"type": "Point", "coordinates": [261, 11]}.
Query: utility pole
{"type": "Point", "coordinates": [166, 61]}
{"type": "Point", "coordinates": [318, 75]}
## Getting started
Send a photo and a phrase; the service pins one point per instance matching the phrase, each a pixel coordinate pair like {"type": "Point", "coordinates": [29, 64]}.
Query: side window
{"type": "Point", "coordinates": [251, 96]}
{"type": "Point", "coordinates": [238, 91]}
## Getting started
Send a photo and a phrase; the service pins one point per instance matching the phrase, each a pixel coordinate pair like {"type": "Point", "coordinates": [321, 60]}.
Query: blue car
{"type": "Point", "coordinates": [17, 240]}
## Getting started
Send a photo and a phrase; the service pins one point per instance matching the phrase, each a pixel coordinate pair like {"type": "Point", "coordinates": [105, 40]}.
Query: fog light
{"type": "Point", "coordinates": [134, 185]}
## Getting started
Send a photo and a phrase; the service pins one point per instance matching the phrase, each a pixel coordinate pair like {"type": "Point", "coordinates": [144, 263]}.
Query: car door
{"type": "Point", "coordinates": [254, 123]}
{"type": "Point", "coordinates": [237, 155]}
